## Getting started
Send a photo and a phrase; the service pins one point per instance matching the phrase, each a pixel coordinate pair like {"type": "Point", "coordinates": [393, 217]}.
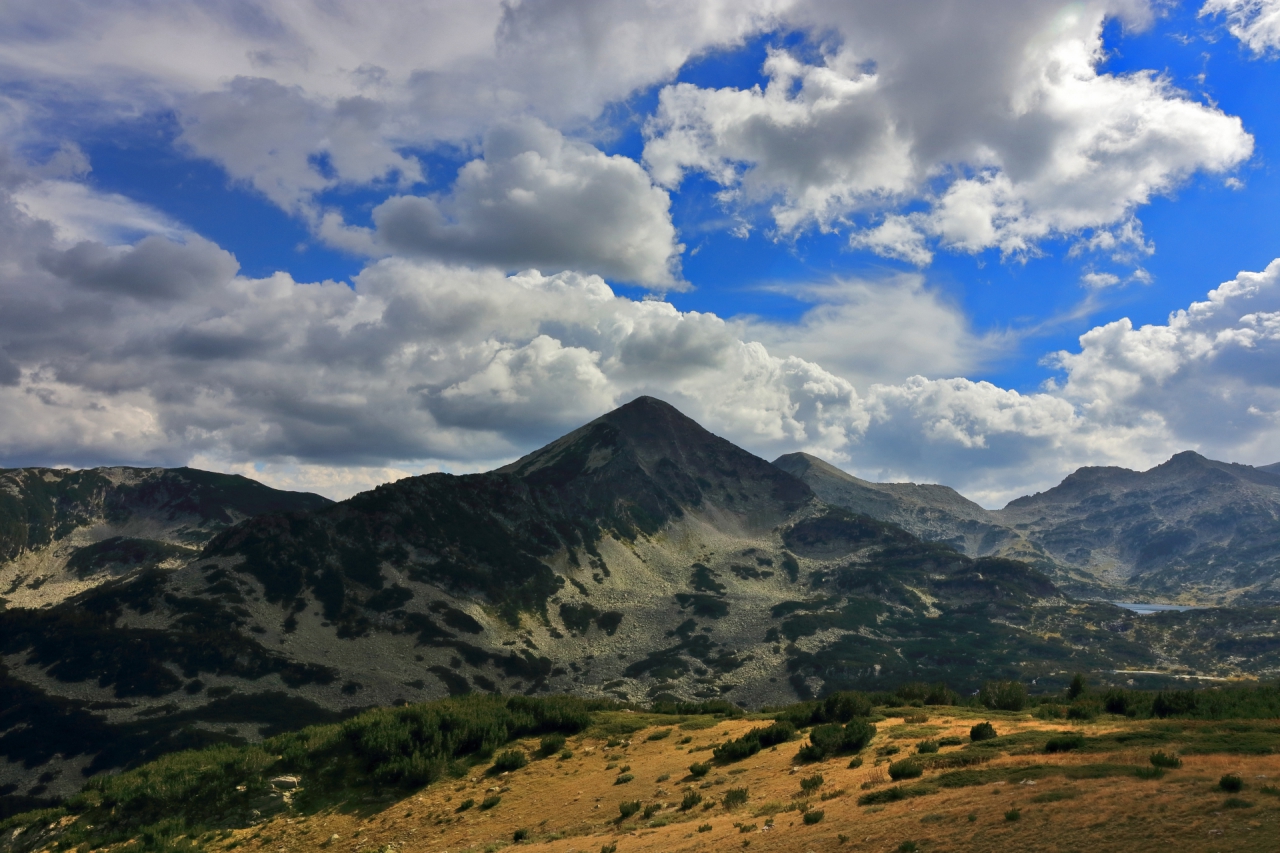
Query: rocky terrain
{"type": "Point", "coordinates": [1191, 530]}
{"type": "Point", "coordinates": [638, 558]}
{"type": "Point", "coordinates": [63, 532]}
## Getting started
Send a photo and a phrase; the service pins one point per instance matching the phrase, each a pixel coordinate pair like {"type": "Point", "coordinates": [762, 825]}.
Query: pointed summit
{"type": "Point", "coordinates": [649, 463]}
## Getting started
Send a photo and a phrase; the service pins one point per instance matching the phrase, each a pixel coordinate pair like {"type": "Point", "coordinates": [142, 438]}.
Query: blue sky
{"type": "Point", "coordinates": [941, 243]}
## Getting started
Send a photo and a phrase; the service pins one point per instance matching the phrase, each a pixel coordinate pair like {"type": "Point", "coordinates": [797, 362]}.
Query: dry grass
{"type": "Point", "coordinates": [572, 805]}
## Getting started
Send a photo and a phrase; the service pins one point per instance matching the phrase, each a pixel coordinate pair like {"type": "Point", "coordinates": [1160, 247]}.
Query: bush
{"type": "Point", "coordinates": [706, 827]}
{"type": "Point", "coordinates": [519, 835]}
{"type": "Point", "coordinates": [951, 741]}
{"type": "Point", "coordinates": [908, 847]}
{"type": "Point", "coordinates": [982, 731]}
{"type": "Point", "coordinates": [1064, 743]}
{"type": "Point", "coordinates": [659, 734]}
{"type": "Point", "coordinates": [834, 739]}
{"type": "Point", "coordinates": [1003, 695]}
{"type": "Point", "coordinates": [1078, 687]}
{"type": "Point", "coordinates": [1231, 783]}
{"type": "Point", "coordinates": [652, 809]}
{"type": "Point", "coordinates": [609, 848]}
{"type": "Point", "coordinates": [855, 762]}
{"type": "Point", "coordinates": [1013, 814]}
{"type": "Point", "coordinates": [566, 754]}
{"type": "Point", "coordinates": [837, 708]}
{"type": "Point", "coordinates": [814, 816]}
{"type": "Point", "coordinates": [628, 809]}
{"type": "Point", "coordinates": [905, 769]}
{"type": "Point", "coordinates": [490, 801]}
{"type": "Point", "coordinates": [551, 744]}
{"type": "Point", "coordinates": [809, 784]}
{"type": "Point", "coordinates": [1236, 803]}
{"type": "Point", "coordinates": [691, 799]}
{"type": "Point", "coordinates": [623, 779]}
{"type": "Point", "coordinates": [1149, 772]}
{"type": "Point", "coordinates": [1083, 709]}
{"type": "Point", "coordinates": [925, 747]}
{"type": "Point", "coordinates": [465, 804]}
{"type": "Point", "coordinates": [753, 741]}
{"type": "Point", "coordinates": [699, 769]}
{"type": "Point", "coordinates": [511, 759]}
{"type": "Point", "coordinates": [734, 797]}
{"type": "Point", "coordinates": [1169, 762]}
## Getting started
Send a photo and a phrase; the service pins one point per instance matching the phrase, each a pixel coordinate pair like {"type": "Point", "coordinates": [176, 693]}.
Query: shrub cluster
{"type": "Point", "coordinates": [1003, 695]}
{"type": "Point", "coordinates": [1168, 762]}
{"type": "Point", "coordinates": [907, 768]}
{"type": "Point", "coordinates": [982, 731]}
{"type": "Point", "coordinates": [753, 741]}
{"type": "Point", "coordinates": [809, 784]}
{"type": "Point", "coordinates": [837, 708]}
{"type": "Point", "coordinates": [814, 816]}
{"type": "Point", "coordinates": [508, 760]}
{"type": "Point", "coordinates": [734, 797]}
{"type": "Point", "coordinates": [834, 739]}
{"type": "Point", "coordinates": [699, 769]}
{"type": "Point", "coordinates": [1064, 743]}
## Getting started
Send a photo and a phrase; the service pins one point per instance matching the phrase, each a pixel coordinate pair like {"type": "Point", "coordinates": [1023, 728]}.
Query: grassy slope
{"type": "Point", "coordinates": [404, 776]}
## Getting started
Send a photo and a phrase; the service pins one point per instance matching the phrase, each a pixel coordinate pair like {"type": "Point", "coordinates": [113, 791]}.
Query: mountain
{"type": "Point", "coordinates": [63, 531]}
{"type": "Point", "coordinates": [640, 557]}
{"type": "Point", "coordinates": [1191, 529]}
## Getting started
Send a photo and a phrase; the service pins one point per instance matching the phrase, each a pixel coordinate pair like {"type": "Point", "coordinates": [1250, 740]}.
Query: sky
{"type": "Point", "coordinates": [329, 244]}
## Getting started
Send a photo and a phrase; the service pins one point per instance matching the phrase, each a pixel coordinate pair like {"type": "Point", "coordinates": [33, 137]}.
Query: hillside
{"type": "Point", "coordinates": [559, 774]}
{"type": "Point", "coordinates": [62, 531]}
{"type": "Point", "coordinates": [1191, 530]}
{"type": "Point", "coordinates": [640, 558]}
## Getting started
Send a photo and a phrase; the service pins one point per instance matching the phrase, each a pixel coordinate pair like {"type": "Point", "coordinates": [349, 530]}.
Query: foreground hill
{"type": "Point", "coordinates": [639, 558]}
{"type": "Point", "coordinates": [62, 532]}
{"type": "Point", "coordinates": [1190, 530]}
{"type": "Point", "coordinates": [559, 774]}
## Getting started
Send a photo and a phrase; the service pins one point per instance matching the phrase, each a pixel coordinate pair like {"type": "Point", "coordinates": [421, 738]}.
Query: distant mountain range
{"type": "Point", "coordinates": [639, 557]}
{"type": "Point", "coordinates": [1191, 530]}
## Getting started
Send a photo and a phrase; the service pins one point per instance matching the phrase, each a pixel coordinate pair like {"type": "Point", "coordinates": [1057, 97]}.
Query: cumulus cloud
{"type": "Point", "coordinates": [1255, 22]}
{"type": "Point", "coordinates": [537, 199]}
{"type": "Point", "coordinates": [161, 352]}
{"type": "Point", "coordinates": [1003, 125]}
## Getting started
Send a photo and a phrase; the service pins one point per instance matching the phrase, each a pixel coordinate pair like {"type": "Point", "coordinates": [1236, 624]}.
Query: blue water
{"type": "Point", "coordinates": [1148, 609]}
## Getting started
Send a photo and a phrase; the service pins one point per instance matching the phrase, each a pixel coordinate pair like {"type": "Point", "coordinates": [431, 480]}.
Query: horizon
{"type": "Point", "coordinates": [327, 246]}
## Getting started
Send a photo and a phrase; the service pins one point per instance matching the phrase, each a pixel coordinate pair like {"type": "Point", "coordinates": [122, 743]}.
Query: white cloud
{"type": "Point", "coordinates": [1099, 280]}
{"type": "Point", "coordinates": [1002, 124]}
{"type": "Point", "coordinates": [161, 353]}
{"type": "Point", "coordinates": [79, 213]}
{"type": "Point", "coordinates": [1255, 22]}
{"type": "Point", "coordinates": [537, 199]}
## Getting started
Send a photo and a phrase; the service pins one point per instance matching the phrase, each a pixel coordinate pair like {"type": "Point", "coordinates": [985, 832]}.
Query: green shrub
{"type": "Point", "coordinates": [855, 762]}
{"type": "Point", "coordinates": [628, 809]}
{"type": "Point", "coordinates": [925, 747]}
{"type": "Point", "coordinates": [734, 797]}
{"type": "Point", "coordinates": [1084, 710]}
{"type": "Point", "coordinates": [699, 769]}
{"type": "Point", "coordinates": [566, 754]}
{"type": "Point", "coordinates": [836, 708]}
{"type": "Point", "coordinates": [1236, 803]}
{"type": "Point", "coordinates": [809, 784]}
{"type": "Point", "coordinates": [652, 809]}
{"type": "Point", "coordinates": [834, 739]}
{"type": "Point", "coordinates": [951, 741]}
{"type": "Point", "coordinates": [1003, 695]}
{"type": "Point", "coordinates": [659, 734]}
{"type": "Point", "coordinates": [1270, 790]}
{"type": "Point", "coordinates": [982, 731]}
{"type": "Point", "coordinates": [519, 835]}
{"type": "Point", "coordinates": [465, 804]}
{"type": "Point", "coordinates": [623, 779]}
{"type": "Point", "coordinates": [1013, 814]}
{"type": "Point", "coordinates": [609, 848]}
{"type": "Point", "coordinates": [814, 816]}
{"type": "Point", "coordinates": [908, 847]}
{"type": "Point", "coordinates": [706, 827]}
{"type": "Point", "coordinates": [753, 741]}
{"type": "Point", "coordinates": [1170, 762]}
{"type": "Point", "coordinates": [905, 769]}
{"type": "Point", "coordinates": [508, 760]}
{"type": "Point", "coordinates": [1231, 783]}
{"type": "Point", "coordinates": [490, 801]}
{"type": "Point", "coordinates": [1064, 743]}
{"type": "Point", "coordinates": [691, 799]}
{"type": "Point", "coordinates": [1150, 772]}
{"type": "Point", "coordinates": [551, 744]}
{"type": "Point", "coordinates": [1078, 686]}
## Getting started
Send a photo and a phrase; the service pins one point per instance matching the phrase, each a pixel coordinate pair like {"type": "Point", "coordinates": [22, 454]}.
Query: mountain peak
{"type": "Point", "coordinates": [648, 454]}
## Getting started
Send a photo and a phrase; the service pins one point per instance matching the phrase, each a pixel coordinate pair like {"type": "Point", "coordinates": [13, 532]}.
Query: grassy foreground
{"type": "Point", "coordinates": [481, 773]}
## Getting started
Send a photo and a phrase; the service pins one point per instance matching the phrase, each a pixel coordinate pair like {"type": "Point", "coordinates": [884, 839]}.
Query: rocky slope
{"type": "Point", "coordinates": [1191, 530]}
{"type": "Point", "coordinates": [62, 531]}
{"type": "Point", "coordinates": [639, 557]}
